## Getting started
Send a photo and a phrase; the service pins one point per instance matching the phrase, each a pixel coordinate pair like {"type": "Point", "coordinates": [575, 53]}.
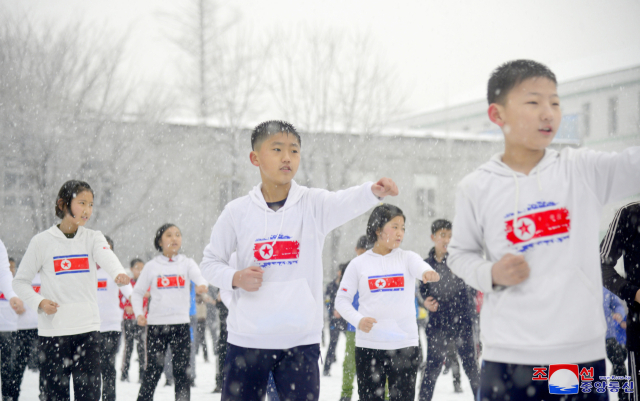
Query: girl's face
{"type": "Point", "coordinates": [81, 208]}
{"type": "Point", "coordinates": [392, 233]}
{"type": "Point", "coordinates": [171, 241]}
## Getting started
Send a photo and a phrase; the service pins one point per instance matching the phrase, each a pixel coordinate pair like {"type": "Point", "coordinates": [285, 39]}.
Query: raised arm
{"type": "Point", "coordinates": [333, 209]}
{"type": "Point", "coordinates": [611, 176]}
{"type": "Point", "coordinates": [137, 296]}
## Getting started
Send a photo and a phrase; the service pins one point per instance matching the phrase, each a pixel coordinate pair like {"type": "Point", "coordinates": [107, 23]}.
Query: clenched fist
{"type": "Point", "coordinates": [430, 276]}
{"type": "Point", "coordinates": [48, 306]}
{"type": "Point", "coordinates": [384, 187]}
{"type": "Point", "coordinates": [510, 270]}
{"type": "Point", "coordinates": [431, 304]}
{"type": "Point", "coordinates": [142, 321]}
{"type": "Point", "coordinates": [122, 279]}
{"type": "Point", "coordinates": [366, 324]}
{"type": "Point", "coordinates": [249, 279]}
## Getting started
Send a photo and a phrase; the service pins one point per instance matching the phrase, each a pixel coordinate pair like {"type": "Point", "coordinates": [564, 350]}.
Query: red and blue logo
{"type": "Point", "coordinates": [71, 264]}
{"type": "Point", "coordinates": [102, 284]}
{"type": "Point", "coordinates": [563, 379]}
{"type": "Point", "coordinates": [172, 281]}
{"type": "Point", "coordinates": [2, 297]}
{"type": "Point", "coordinates": [282, 251]}
{"type": "Point", "coordinates": [389, 282]}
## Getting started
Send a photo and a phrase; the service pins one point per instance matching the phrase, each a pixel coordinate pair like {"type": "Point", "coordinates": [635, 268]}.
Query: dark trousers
{"type": "Point", "coordinates": [334, 333]}
{"type": "Point", "coordinates": [7, 341]}
{"type": "Point", "coordinates": [25, 346]}
{"type": "Point", "coordinates": [108, 351]}
{"type": "Point", "coordinates": [200, 338]}
{"type": "Point", "coordinates": [76, 355]}
{"type": "Point", "coordinates": [501, 381]}
{"type": "Point", "coordinates": [633, 360]}
{"type": "Point", "coordinates": [221, 347]}
{"type": "Point", "coordinates": [133, 332]}
{"type": "Point", "coordinates": [158, 338]}
{"type": "Point", "coordinates": [437, 345]}
{"type": "Point", "coordinates": [617, 354]}
{"type": "Point", "coordinates": [375, 366]}
{"type": "Point", "coordinates": [295, 372]}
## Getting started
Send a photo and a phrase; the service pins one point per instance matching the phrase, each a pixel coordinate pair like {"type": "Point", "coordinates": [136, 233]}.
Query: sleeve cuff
{"type": "Point", "coordinates": [371, 197]}
{"type": "Point", "coordinates": [485, 280]}
{"type": "Point", "coordinates": [227, 281]}
{"type": "Point", "coordinates": [36, 302]}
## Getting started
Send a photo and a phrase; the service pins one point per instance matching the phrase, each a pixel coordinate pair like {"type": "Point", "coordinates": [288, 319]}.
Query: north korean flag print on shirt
{"type": "Point", "coordinates": [390, 282]}
{"type": "Point", "coordinates": [171, 281]}
{"type": "Point", "coordinates": [546, 225]}
{"type": "Point", "coordinates": [2, 297]}
{"type": "Point", "coordinates": [282, 251]}
{"type": "Point", "coordinates": [102, 284]}
{"type": "Point", "coordinates": [71, 264]}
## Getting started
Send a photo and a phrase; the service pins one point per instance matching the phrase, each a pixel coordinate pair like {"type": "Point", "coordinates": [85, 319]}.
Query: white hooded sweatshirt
{"type": "Point", "coordinates": [109, 301]}
{"type": "Point", "coordinates": [287, 311]}
{"type": "Point", "coordinates": [8, 318]}
{"type": "Point", "coordinates": [556, 314]}
{"type": "Point", "coordinates": [29, 319]}
{"type": "Point", "coordinates": [67, 268]}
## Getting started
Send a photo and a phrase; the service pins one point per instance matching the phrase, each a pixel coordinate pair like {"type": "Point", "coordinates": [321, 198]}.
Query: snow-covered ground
{"type": "Point", "coordinates": [330, 387]}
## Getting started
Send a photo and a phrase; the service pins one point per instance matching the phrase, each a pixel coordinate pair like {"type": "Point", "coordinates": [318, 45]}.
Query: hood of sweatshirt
{"type": "Point", "coordinates": [56, 232]}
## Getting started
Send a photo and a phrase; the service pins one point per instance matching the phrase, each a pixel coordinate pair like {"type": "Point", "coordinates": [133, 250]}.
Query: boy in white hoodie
{"type": "Point", "coordinates": [534, 214]}
{"type": "Point", "coordinates": [276, 312]}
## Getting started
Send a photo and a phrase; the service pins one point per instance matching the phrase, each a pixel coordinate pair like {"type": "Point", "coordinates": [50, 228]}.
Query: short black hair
{"type": "Point", "coordinates": [380, 216]}
{"type": "Point", "coordinates": [362, 243]}
{"type": "Point", "coordinates": [439, 225]}
{"type": "Point", "coordinates": [510, 74]}
{"type": "Point", "coordinates": [161, 230]}
{"type": "Point", "coordinates": [342, 267]}
{"type": "Point", "coordinates": [70, 190]}
{"type": "Point", "coordinates": [272, 127]}
{"type": "Point", "coordinates": [110, 242]}
{"type": "Point", "coordinates": [12, 260]}
{"type": "Point", "coordinates": [134, 261]}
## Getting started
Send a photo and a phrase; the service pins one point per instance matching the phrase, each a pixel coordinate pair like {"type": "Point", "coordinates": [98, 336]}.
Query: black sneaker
{"type": "Point", "coordinates": [217, 390]}
{"type": "Point", "coordinates": [168, 383]}
{"type": "Point", "coordinates": [124, 378]}
{"type": "Point", "coordinates": [457, 388]}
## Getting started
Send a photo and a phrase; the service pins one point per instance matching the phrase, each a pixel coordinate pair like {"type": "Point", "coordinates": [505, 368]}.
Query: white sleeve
{"type": "Point", "coordinates": [215, 262]}
{"type": "Point", "coordinates": [5, 274]}
{"type": "Point", "coordinates": [30, 265]}
{"type": "Point", "coordinates": [104, 256]}
{"type": "Point", "coordinates": [195, 274]}
{"type": "Point", "coordinates": [344, 298]}
{"type": "Point", "coordinates": [466, 246]}
{"type": "Point", "coordinates": [226, 296]}
{"type": "Point", "coordinates": [137, 296]}
{"type": "Point", "coordinates": [416, 265]}
{"type": "Point", "coordinates": [611, 176]}
{"type": "Point", "coordinates": [334, 209]}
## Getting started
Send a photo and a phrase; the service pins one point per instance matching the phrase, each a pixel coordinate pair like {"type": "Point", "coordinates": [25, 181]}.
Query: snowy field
{"type": "Point", "coordinates": [330, 387]}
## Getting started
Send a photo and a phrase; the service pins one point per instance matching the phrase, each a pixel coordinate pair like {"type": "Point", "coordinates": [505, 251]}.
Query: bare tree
{"type": "Point", "coordinates": [334, 82]}
{"type": "Point", "coordinates": [63, 106]}
{"type": "Point", "coordinates": [223, 80]}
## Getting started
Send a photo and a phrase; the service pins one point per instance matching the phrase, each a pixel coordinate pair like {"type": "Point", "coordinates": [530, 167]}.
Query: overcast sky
{"type": "Point", "coordinates": [443, 50]}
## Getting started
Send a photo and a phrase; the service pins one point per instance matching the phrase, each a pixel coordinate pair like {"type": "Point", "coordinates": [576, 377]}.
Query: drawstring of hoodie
{"type": "Point", "coordinates": [515, 206]}
{"type": "Point", "coordinates": [279, 230]}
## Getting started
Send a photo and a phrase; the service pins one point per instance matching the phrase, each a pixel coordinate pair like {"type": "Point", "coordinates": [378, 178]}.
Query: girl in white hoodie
{"type": "Point", "coordinates": [169, 275]}
{"type": "Point", "coordinates": [387, 332]}
{"type": "Point", "coordinates": [68, 318]}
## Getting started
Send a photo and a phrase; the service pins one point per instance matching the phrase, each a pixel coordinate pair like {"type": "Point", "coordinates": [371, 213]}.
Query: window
{"type": "Point", "coordinates": [229, 190]}
{"type": "Point", "coordinates": [426, 186]}
{"type": "Point", "coordinates": [10, 180]}
{"type": "Point", "coordinates": [586, 120]}
{"type": "Point", "coordinates": [613, 115]}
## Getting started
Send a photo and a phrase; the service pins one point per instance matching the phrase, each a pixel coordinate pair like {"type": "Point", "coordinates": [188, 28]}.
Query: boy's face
{"type": "Point", "coordinates": [278, 157]}
{"type": "Point", "coordinates": [441, 240]}
{"type": "Point", "coordinates": [531, 114]}
{"type": "Point", "coordinates": [137, 269]}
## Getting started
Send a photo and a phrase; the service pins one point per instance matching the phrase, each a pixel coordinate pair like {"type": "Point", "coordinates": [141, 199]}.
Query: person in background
{"type": "Point", "coordinates": [616, 319]}
{"type": "Point", "coordinates": [10, 307]}
{"type": "Point", "coordinates": [110, 327]}
{"type": "Point", "coordinates": [349, 363]}
{"type": "Point", "coordinates": [133, 332]}
{"type": "Point", "coordinates": [451, 317]}
{"type": "Point", "coordinates": [201, 315]}
{"type": "Point", "coordinates": [12, 266]}
{"type": "Point", "coordinates": [336, 323]}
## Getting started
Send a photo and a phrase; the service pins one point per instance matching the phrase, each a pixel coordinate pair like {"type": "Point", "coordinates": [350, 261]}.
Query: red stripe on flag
{"type": "Point", "coordinates": [171, 282]}
{"type": "Point", "coordinates": [538, 225]}
{"type": "Point", "coordinates": [102, 283]}
{"type": "Point", "coordinates": [2, 297]}
{"type": "Point", "coordinates": [70, 265]}
{"type": "Point", "coordinates": [36, 288]}
{"type": "Point", "coordinates": [386, 282]}
{"type": "Point", "coordinates": [280, 250]}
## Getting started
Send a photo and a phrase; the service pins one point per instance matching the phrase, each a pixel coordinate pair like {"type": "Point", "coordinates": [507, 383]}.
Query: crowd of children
{"type": "Point", "coordinates": [525, 234]}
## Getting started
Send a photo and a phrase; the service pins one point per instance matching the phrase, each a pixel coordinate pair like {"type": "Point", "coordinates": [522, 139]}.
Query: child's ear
{"type": "Point", "coordinates": [495, 114]}
{"type": "Point", "coordinates": [253, 156]}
